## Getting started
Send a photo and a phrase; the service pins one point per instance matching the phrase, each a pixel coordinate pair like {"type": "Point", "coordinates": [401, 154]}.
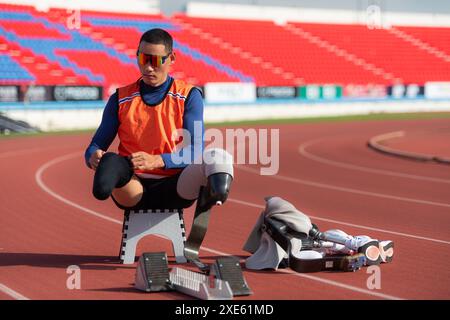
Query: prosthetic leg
{"type": "Point", "coordinates": [374, 251]}
{"type": "Point", "coordinates": [301, 254]}
{"type": "Point", "coordinates": [225, 269]}
{"type": "Point", "coordinates": [214, 193]}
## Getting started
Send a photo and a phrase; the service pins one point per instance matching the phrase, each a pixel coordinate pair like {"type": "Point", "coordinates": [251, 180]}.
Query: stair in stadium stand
{"type": "Point", "coordinates": [214, 40]}
{"type": "Point", "coordinates": [90, 31]}
{"type": "Point", "coordinates": [419, 44]}
{"type": "Point", "coordinates": [339, 52]}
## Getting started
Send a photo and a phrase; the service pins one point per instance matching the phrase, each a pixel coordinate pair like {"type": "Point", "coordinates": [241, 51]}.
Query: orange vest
{"type": "Point", "coordinates": [149, 128]}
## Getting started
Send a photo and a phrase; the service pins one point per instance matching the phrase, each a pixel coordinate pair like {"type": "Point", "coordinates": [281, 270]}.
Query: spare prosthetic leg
{"type": "Point", "coordinates": [301, 254]}
{"type": "Point", "coordinates": [374, 251]}
{"type": "Point", "coordinates": [214, 193]}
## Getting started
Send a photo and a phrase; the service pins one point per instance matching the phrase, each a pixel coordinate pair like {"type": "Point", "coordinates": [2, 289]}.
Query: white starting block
{"type": "Point", "coordinates": [140, 223]}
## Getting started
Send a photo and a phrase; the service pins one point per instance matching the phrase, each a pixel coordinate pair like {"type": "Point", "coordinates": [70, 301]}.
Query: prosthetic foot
{"type": "Point", "coordinates": [214, 193]}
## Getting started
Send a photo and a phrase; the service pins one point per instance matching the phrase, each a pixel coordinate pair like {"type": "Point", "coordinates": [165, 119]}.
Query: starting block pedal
{"type": "Point", "coordinates": [229, 270]}
{"type": "Point", "coordinates": [152, 273]}
{"type": "Point", "coordinates": [200, 285]}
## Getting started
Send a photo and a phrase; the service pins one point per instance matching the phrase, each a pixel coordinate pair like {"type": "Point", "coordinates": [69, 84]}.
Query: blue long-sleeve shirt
{"type": "Point", "coordinates": [193, 113]}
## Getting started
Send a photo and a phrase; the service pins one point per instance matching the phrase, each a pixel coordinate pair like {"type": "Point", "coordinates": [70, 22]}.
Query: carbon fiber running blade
{"type": "Point", "coordinates": [195, 239]}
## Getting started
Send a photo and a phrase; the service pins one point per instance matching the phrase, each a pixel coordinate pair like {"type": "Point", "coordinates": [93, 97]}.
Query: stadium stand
{"type": "Point", "coordinates": [39, 48]}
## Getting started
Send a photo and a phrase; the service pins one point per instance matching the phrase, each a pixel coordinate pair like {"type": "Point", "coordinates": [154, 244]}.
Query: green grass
{"type": "Point", "coordinates": [50, 133]}
{"type": "Point", "coordinates": [370, 117]}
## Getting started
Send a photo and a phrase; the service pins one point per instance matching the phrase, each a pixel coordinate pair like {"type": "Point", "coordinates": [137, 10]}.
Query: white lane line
{"type": "Point", "coordinates": [250, 204]}
{"type": "Point", "coordinates": [309, 155]}
{"type": "Point", "coordinates": [38, 178]}
{"type": "Point", "coordinates": [10, 292]}
{"type": "Point", "coordinates": [39, 172]}
{"type": "Point", "coordinates": [343, 189]}
{"type": "Point", "coordinates": [342, 285]}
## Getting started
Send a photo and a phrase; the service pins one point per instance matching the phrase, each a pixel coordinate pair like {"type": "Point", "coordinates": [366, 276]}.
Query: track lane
{"type": "Point", "coordinates": [38, 260]}
{"type": "Point", "coordinates": [220, 244]}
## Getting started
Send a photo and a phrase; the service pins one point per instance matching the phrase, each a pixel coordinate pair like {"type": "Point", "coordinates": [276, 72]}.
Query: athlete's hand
{"type": "Point", "coordinates": [144, 161]}
{"type": "Point", "coordinates": [95, 158]}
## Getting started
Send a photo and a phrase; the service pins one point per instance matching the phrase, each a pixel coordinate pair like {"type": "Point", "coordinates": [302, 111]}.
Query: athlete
{"type": "Point", "coordinates": [159, 123]}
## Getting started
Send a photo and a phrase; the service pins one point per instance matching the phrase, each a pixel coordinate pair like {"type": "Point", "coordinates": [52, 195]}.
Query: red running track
{"type": "Point", "coordinates": [50, 221]}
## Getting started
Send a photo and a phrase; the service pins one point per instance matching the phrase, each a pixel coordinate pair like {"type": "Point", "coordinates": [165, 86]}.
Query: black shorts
{"type": "Point", "coordinates": [159, 194]}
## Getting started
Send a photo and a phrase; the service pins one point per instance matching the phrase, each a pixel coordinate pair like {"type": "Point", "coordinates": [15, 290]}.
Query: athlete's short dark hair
{"type": "Point", "coordinates": [158, 36]}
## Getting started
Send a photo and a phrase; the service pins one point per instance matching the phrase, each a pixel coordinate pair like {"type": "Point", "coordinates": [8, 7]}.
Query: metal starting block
{"type": "Point", "coordinates": [225, 281]}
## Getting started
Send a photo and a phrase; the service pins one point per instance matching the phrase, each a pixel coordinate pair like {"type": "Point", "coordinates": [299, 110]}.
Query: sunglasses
{"type": "Point", "coordinates": [155, 60]}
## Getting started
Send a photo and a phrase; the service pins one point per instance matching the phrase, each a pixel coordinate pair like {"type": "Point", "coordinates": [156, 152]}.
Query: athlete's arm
{"type": "Point", "coordinates": [105, 133]}
{"type": "Point", "coordinates": [193, 117]}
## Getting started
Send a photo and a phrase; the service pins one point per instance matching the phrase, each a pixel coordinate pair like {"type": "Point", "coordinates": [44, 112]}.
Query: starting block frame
{"type": "Point", "coordinates": [199, 285]}
{"type": "Point", "coordinates": [225, 282]}
{"type": "Point", "coordinates": [137, 224]}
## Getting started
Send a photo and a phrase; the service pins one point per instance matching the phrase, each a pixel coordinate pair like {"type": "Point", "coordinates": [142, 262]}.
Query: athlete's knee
{"type": "Point", "coordinates": [209, 179]}
{"type": "Point", "coordinates": [113, 171]}
{"type": "Point", "coordinates": [217, 161]}
{"type": "Point", "coordinates": [219, 174]}
{"type": "Point", "coordinates": [102, 191]}
{"type": "Point", "coordinates": [113, 160]}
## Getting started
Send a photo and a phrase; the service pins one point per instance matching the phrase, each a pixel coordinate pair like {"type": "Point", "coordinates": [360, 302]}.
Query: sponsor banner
{"type": "Point", "coordinates": [365, 91]}
{"type": "Point", "coordinates": [276, 92]}
{"type": "Point", "coordinates": [77, 93]}
{"type": "Point", "coordinates": [315, 92]}
{"type": "Point", "coordinates": [437, 90]}
{"type": "Point", "coordinates": [35, 93]}
{"type": "Point", "coordinates": [9, 93]}
{"type": "Point", "coordinates": [331, 92]}
{"type": "Point", "coordinates": [408, 91]}
{"type": "Point", "coordinates": [220, 92]}
{"type": "Point", "coordinates": [309, 92]}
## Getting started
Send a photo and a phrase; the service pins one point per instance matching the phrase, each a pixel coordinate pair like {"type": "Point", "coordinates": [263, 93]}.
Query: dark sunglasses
{"type": "Point", "coordinates": [155, 60]}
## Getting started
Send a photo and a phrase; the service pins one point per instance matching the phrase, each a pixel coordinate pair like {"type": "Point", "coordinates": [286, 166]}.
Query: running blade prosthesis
{"type": "Point", "coordinates": [224, 282]}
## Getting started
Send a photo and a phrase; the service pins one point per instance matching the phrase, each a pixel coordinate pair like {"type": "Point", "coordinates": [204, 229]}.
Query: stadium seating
{"type": "Point", "coordinates": [42, 48]}
{"type": "Point", "coordinates": [407, 62]}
